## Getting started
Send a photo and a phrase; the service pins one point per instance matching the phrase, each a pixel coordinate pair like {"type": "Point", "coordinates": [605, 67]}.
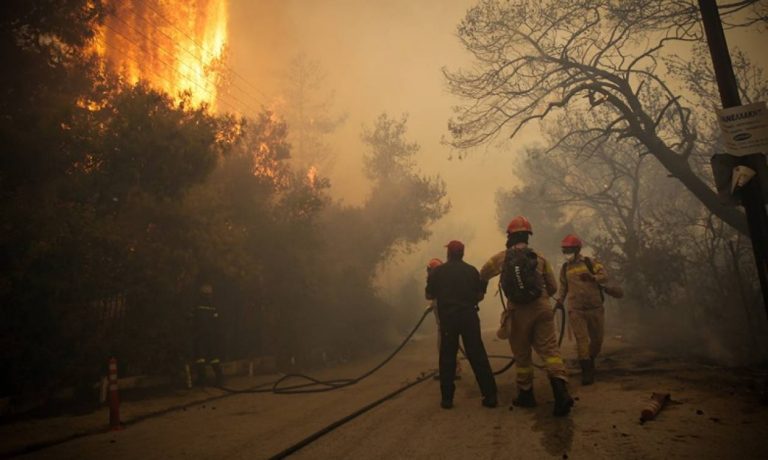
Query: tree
{"type": "Point", "coordinates": [534, 59]}
{"type": "Point", "coordinates": [118, 201]}
{"type": "Point", "coordinates": [358, 240]}
{"type": "Point", "coordinates": [309, 114]}
{"type": "Point", "coordinates": [677, 261]}
{"type": "Point", "coordinates": [404, 202]}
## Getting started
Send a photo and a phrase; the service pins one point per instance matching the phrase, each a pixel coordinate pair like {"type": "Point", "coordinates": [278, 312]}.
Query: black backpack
{"type": "Point", "coordinates": [520, 280]}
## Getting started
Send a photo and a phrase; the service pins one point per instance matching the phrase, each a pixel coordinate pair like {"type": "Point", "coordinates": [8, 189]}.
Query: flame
{"type": "Point", "coordinates": [175, 45]}
{"type": "Point", "coordinates": [267, 166]}
{"type": "Point", "coordinates": [312, 176]}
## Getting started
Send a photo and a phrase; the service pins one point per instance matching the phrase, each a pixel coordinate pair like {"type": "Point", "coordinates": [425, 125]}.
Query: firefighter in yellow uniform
{"type": "Point", "coordinates": [580, 288]}
{"type": "Point", "coordinates": [431, 265]}
{"type": "Point", "coordinates": [527, 280]}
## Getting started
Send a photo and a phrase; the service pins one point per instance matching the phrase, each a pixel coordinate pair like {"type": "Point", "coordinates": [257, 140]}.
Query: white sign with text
{"type": "Point", "coordinates": [744, 128]}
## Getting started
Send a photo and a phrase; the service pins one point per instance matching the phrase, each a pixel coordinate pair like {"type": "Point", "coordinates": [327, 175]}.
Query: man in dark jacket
{"type": "Point", "coordinates": [457, 288]}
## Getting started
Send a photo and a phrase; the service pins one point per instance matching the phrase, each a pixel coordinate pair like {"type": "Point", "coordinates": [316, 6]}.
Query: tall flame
{"type": "Point", "coordinates": [175, 45]}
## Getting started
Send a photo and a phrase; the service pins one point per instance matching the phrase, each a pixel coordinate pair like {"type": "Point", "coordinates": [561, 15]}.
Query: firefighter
{"type": "Point", "coordinates": [206, 335]}
{"type": "Point", "coordinates": [456, 287]}
{"type": "Point", "coordinates": [433, 263]}
{"type": "Point", "coordinates": [527, 280]}
{"type": "Point", "coordinates": [581, 280]}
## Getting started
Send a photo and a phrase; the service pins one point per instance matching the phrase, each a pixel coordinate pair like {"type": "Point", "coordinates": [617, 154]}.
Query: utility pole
{"type": "Point", "coordinates": [752, 196]}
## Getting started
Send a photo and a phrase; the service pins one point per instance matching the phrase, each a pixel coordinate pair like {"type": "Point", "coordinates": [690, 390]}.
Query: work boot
{"type": "Point", "coordinates": [446, 403]}
{"type": "Point", "coordinates": [490, 401]}
{"type": "Point", "coordinates": [587, 371]}
{"type": "Point", "coordinates": [563, 400]}
{"type": "Point", "coordinates": [524, 398]}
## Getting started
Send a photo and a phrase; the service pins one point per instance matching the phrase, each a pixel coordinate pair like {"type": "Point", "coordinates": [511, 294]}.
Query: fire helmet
{"type": "Point", "coordinates": [455, 247]}
{"type": "Point", "coordinates": [519, 224]}
{"type": "Point", "coordinates": [571, 241]}
{"type": "Point", "coordinates": [434, 263]}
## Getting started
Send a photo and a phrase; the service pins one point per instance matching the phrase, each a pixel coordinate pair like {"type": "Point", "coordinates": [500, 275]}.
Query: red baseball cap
{"type": "Point", "coordinates": [455, 247]}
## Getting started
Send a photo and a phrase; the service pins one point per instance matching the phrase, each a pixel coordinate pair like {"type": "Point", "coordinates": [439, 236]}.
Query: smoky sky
{"type": "Point", "coordinates": [387, 57]}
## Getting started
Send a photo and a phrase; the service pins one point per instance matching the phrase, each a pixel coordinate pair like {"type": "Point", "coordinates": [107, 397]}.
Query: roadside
{"type": "Point", "coordinates": [713, 415]}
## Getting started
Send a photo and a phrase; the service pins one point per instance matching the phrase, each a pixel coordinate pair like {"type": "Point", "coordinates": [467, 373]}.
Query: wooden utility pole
{"type": "Point", "coordinates": [752, 194]}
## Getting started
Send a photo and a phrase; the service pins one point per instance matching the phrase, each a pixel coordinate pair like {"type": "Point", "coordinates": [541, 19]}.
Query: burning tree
{"type": "Point", "coordinates": [119, 200]}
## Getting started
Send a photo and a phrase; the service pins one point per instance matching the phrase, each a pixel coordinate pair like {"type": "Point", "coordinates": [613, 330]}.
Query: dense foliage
{"type": "Point", "coordinates": [118, 202]}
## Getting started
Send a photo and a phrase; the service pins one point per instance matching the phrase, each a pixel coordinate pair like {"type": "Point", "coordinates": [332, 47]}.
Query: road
{"type": "Point", "coordinates": [713, 416]}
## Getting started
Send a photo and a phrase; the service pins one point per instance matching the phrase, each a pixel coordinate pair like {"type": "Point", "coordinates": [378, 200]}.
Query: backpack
{"type": "Point", "coordinates": [520, 280]}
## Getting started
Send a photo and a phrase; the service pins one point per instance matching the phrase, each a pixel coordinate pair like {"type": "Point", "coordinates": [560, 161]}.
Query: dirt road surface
{"type": "Point", "coordinates": [714, 414]}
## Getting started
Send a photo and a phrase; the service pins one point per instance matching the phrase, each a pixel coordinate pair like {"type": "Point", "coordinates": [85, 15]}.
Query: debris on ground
{"type": "Point", "coordinates": [655, 405]}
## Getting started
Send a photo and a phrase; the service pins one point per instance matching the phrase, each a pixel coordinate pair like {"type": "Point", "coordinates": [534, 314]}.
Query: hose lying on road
{"type": "Point", "coordinates": [274, 387]}
{"type": "Point", "coordinates": [334, 384]}
{"type": "Point", "coordinates": [314, 385]}
{"type": "Point", "coordinates": [327, 429]}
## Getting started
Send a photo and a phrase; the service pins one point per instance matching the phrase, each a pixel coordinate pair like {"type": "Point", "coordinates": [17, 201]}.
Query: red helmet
{"type": "Point", "coordinates": [455, 247]}
{"type": "Point", "coordinates": [571, 241]}
{"type": "Point", "coordinates": [434, 263]}
{"type": "Point", "coordinates": [519, 224]}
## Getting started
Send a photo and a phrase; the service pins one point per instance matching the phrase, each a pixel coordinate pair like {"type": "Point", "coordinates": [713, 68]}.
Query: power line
{"type": "Point", "coordinates": [171, 84]}
{"type": "Point", "coordinates": [145, 36]}
{"type": "Point", "coordinates": [157, 74]}
{"type": "Point", "coordinates": [146, 4]}
{"type": "Point", "coordinates": [155, 26]}
{"type": "Point", "coordinates": [242, 103]}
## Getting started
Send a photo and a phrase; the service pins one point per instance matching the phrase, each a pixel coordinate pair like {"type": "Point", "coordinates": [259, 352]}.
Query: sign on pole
{"type": "Point", "coordinates": [744, 128]}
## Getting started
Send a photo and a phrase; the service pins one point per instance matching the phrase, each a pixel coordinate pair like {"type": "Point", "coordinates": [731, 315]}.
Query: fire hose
{"type": "Point", "coordinates": [335, 384]}
{"type": "Point", "coordinates": [274, 387]}
{"type": "Point", "coordinates": [314, 385]}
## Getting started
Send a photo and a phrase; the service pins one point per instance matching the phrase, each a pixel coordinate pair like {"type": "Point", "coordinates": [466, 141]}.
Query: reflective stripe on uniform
{"type": "Point", "coordinates": [581, 267]}
{"type": "Point", "coordinates": [215, 361]}
{"type": "Point", "coordinates": [577, 269]}
{"type": "Point", "coordinates": [200, 361]}
{"type": "Point", "coordinates": [554, 360]}
{"type": "Point", "coordinates": [206, 307]}
{"type": "Point", "coordinates": [525, 370]}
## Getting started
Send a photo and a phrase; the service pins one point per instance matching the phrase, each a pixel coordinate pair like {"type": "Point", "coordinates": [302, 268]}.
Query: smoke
{"type": "Point", "coordinates": [382, 57]}
{"type": "Point", "coordinates": [387, 57]}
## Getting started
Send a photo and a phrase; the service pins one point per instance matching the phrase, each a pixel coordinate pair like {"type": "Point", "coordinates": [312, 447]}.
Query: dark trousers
{"type": "Point", "coordinates": [464, 323]}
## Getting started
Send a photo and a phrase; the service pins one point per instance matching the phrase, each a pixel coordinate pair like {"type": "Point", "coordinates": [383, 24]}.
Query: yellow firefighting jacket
{"type": "Point", "coordinates": [578, 287]}
{"type": "Point", "coordinates": [495, 264]}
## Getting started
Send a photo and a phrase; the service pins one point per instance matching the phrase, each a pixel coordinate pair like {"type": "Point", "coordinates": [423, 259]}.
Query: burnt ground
{"type": "Point", "coordinates": [713, 414]}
